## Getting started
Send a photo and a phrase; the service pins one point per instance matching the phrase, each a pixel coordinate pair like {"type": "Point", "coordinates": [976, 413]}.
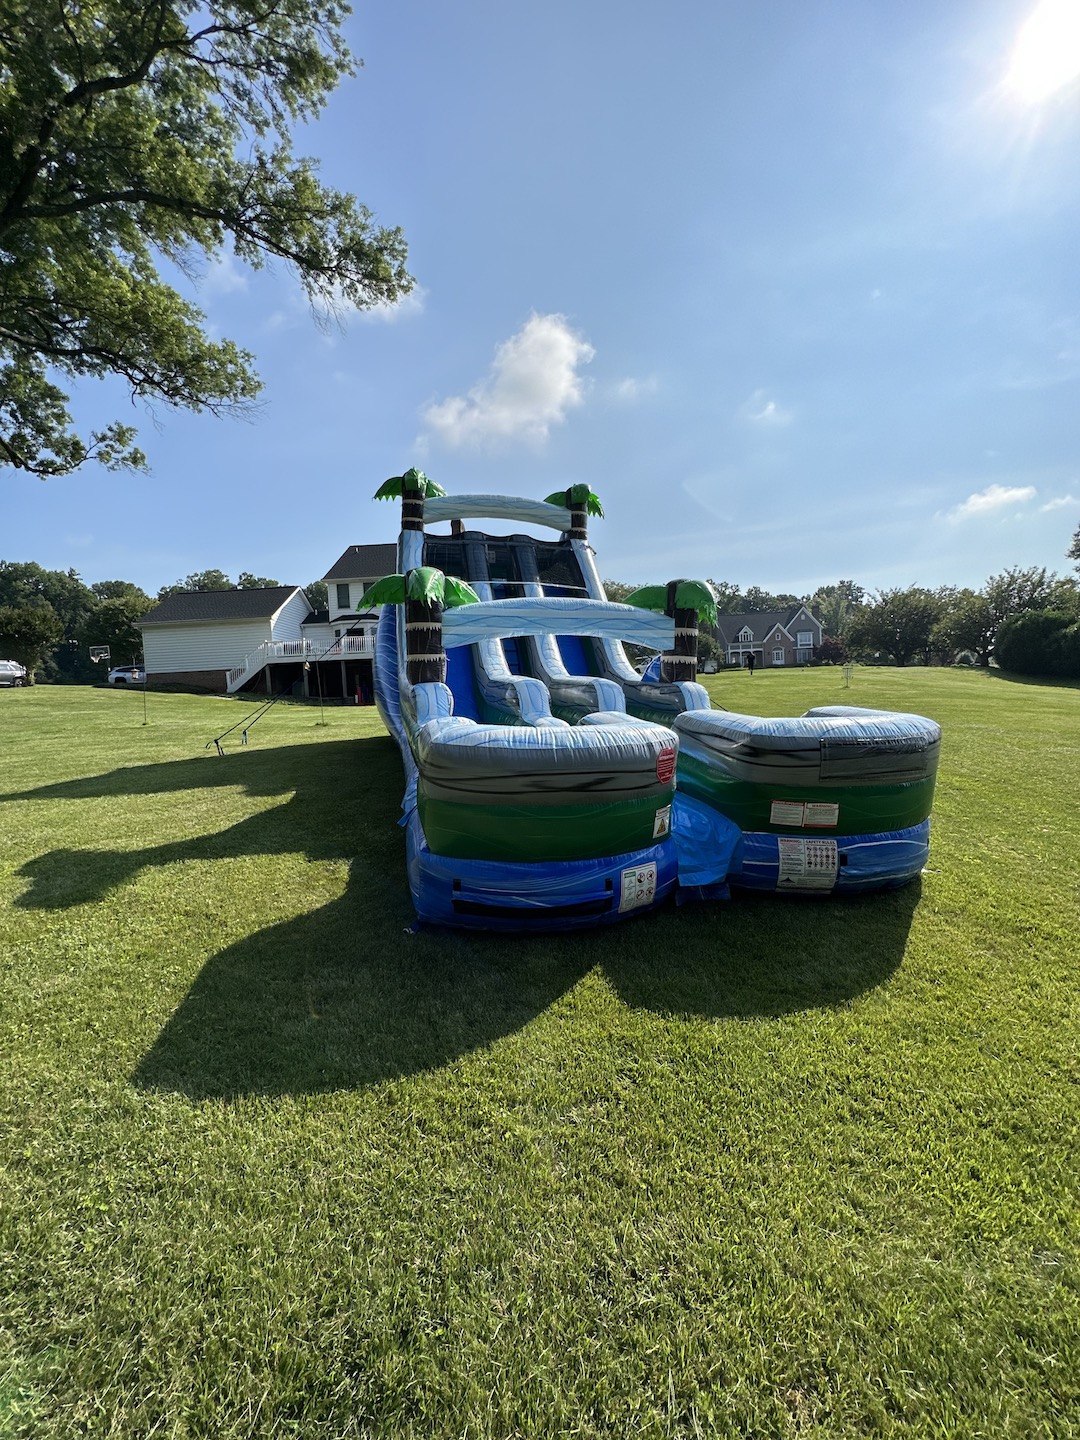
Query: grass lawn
{"type": "Point", "coordinates": [270, 1165]}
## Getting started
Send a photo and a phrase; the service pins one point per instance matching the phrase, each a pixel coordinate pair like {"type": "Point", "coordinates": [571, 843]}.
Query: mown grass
{"type": "Point", "coordinates": [271, 1165]}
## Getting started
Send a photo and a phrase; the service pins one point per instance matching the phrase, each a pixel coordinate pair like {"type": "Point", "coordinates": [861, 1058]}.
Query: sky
{"type": "Point", "coordinates": [793, 286]}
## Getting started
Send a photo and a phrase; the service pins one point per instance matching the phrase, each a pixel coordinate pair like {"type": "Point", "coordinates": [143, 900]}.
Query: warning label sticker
{"type": "Point", "coordinates": [818, 813]}
{"type": "Point", "coordinates": [807, 864]}
{"type": "Point", "coordinates": [786, 812]}
{"type": "Point", "coordinates": [662, 822]}
{"type": "Point", "coordinates": [638, 887]}
{"type": "Point", "coordinates": [814, 813]}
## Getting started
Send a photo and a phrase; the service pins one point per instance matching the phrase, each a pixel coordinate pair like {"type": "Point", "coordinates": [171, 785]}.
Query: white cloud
{"type": "Point", "coordinates": [532, 384]}
{"type": "Point", "coordinates": [994, 497]}
{"type": "Point", "coordinates": [406, 308]}
{"type": "Point", "coordinates": [627, 391]}
{"type": "Point", "coordinates": [761, 410]}
{"type": "Point", "coordinates": [224, 276]}
{"type": "Point", "coordinates": [1061, 503]}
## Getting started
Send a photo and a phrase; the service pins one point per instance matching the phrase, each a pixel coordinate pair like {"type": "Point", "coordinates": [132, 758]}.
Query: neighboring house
{"type": "Point", "coordinates": [271, 639]}
{"type": "Point", "coordinates": [773, 637]}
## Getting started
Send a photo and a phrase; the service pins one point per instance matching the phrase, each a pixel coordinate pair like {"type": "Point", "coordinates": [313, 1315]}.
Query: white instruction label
{"type": "Point", "coordinates": [638, 887]}
{"type": "Point", "coordinates": [814, 813]}
{"type": "Point", "coordinates": [662, 822]}
{"type": "Point", "coordinates": [819, 813]}
{"type": "Point", "coordinates": [807, 864]}
{"type": "Point", "coordinates": [786, 812]}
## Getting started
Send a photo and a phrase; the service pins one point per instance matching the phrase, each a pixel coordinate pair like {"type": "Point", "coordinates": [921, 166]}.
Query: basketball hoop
{"type": "Point", "coordinates": [98, 653]}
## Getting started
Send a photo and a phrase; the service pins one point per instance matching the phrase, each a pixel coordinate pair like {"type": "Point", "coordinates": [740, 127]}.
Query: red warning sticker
{"type": "Point", "coordinates": [665, 765]}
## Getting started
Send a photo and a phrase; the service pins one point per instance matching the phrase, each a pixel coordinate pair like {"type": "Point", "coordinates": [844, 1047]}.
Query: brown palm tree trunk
{"type": "Point", "coordinates": [425, 658]}
{"type": "Point", "coordinates": [412, 509]}
{"type": "Point", "coordinates": [579, 519]}
{"type": "Point", "coordinates": [681, 662]}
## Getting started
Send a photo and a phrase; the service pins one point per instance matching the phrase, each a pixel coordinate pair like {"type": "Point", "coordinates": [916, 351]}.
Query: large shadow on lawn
{"type": "Point", "coordinates": [768, 955]}
{"type": "Point", "coordinates": [346, 996]}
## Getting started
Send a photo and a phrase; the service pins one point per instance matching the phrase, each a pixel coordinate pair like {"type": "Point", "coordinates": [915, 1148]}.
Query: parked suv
{"type": "Point", "coordinates": [12, 673]}
{"type": "Point", "coordinates": [126, 675]}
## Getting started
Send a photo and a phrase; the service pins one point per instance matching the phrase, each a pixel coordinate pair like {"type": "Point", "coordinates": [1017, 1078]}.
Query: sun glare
{"type": "Point", "coordinates": [1047, 53]}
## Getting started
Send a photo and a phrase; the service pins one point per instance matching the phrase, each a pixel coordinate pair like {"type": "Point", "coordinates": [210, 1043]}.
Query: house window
{"type": "Point", "coordinates": [805, 637]}
{"type": "Point", "coordinates": [778, 656]}
{"type": "Point", "coordinates": [803, 657]}
{"type": "Point", "coordinates": [745, 635]}
{"type": "Point", "coordinates": [343, 597]}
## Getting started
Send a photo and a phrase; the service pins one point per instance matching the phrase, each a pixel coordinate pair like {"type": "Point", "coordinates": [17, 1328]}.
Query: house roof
{"type": "Point", "coordinates": [195, 605]}
{"type": "Point", "coordinates": [760, 622]}
{"type": "Point", "coordinates": [364, 562]}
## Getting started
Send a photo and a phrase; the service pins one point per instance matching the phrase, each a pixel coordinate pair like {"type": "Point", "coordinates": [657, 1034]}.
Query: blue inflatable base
{"type": "Point", "coordinates": [863, 863]}
{"type": "Point", "coordinates": [552, 896]}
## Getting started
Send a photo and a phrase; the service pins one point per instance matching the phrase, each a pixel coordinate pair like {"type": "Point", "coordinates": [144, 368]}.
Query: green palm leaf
{"type": "Point", "coordinates": [390, 590]}
{"type": "Point", "coordinates": [577, 495]}
{"type": "Point", "coordinates": [459, 592]}
{"type": "Point", "coordinates": [697, 595]}
{"type": "Point", "coordinates": [689, 595]}
{"type": "Point", "coordinates": [425, 583]}
{"type": "Point", "coordinates": [393, 488]}
{"type": "Point", "coordinates": [649, 597]}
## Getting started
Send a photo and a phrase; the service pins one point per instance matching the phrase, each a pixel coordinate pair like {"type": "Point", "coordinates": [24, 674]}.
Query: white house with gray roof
{"type": "Point", "coordinates": [272, 639]}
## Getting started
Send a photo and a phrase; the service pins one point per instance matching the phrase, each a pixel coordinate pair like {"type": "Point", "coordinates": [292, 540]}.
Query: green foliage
{"type": "Point", "coordinates": [1039, 642]}
{"type": "Point", "coordinates": [577, 495]}
{"type": "Point", "coordinates": [120, 590]}
{"type": "Point", "coordinates": [199, 580]}
{"type": "Point", "coordinates": [413, 479]}
{"type": "Point", "coordinates": [64, 595]}
{"type": "Point", "coordinates": [425, 584]}
{"type": "Point", "coordinates": [898, 622]}
{"type": "Point", "coordinates": [966, 624]}
{"type": "Point", "coordinates": [28, 633]}
{"type": "Point", "coordinates": [247, 581]}
{"type": "Point", "coordinates": [318, 595]}
{"type": "Point", "coordinates": [835, 605]}
{"type": "Point", "coordinates": [135, 131]}
{"type": "Point", "coordinates": [832, 650]}
{"type": "Point", "coordinates": [114, 623]}
{"type": "Point", "coordinates": [689, 595]}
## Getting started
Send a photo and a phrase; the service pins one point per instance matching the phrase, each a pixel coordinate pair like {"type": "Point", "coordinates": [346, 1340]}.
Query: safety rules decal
{"type": "Point", "coordinates": [807, 864]}
{"type": "Point", "coordinates": [638, 887]}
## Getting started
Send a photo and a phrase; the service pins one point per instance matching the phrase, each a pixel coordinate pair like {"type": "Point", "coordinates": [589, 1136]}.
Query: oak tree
{"type": "Point", "coordinates": [137, 133]}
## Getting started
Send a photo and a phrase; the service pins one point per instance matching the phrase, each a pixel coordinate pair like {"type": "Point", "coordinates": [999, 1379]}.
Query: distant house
{"type": "Point", "coordinates": [773, 637]}
{"type": "Point", "coordinates": [272, 640]}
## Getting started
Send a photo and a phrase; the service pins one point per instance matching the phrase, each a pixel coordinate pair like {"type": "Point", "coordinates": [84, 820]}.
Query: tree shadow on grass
{"type": "Point", "coordinates": [1045, 682]}
{"type": "Point", "coordinates": [345, 996]}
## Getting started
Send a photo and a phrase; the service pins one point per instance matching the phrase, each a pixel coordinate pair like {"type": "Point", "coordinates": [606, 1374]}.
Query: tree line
{"type": "Point", "coordinates": [1027, 619]}
{"type": "Point", "coordinates": [49, 619]}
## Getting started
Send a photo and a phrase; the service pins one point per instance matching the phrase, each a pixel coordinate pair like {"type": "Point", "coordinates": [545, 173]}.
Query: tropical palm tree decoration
{"type": "Point", "coordinates": [425, 592]}
{"type": "Point", "coordinates": [413, 488]}
{"type": "Point", "coordinates": [684, 601]}
{"type": "Point", "coordinates": [581, 502]}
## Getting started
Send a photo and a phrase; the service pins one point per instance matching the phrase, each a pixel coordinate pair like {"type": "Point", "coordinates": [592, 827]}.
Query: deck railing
{"type": "Point", "coordinates": [273, 651]}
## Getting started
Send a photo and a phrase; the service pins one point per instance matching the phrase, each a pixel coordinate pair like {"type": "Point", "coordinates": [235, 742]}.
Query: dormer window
{"type": "Point", "coordinates": [745, 635]}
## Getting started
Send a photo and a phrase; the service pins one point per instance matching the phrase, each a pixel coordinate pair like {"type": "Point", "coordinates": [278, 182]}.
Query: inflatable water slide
{"type": "Point", "coordinates": [551, 786]}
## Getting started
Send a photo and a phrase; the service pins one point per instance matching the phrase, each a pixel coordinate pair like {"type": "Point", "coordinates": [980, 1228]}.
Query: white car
{"type": "Point", "coordinates": [126, 675]}
{"type": "Point", "coordinates": [12, 673]}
